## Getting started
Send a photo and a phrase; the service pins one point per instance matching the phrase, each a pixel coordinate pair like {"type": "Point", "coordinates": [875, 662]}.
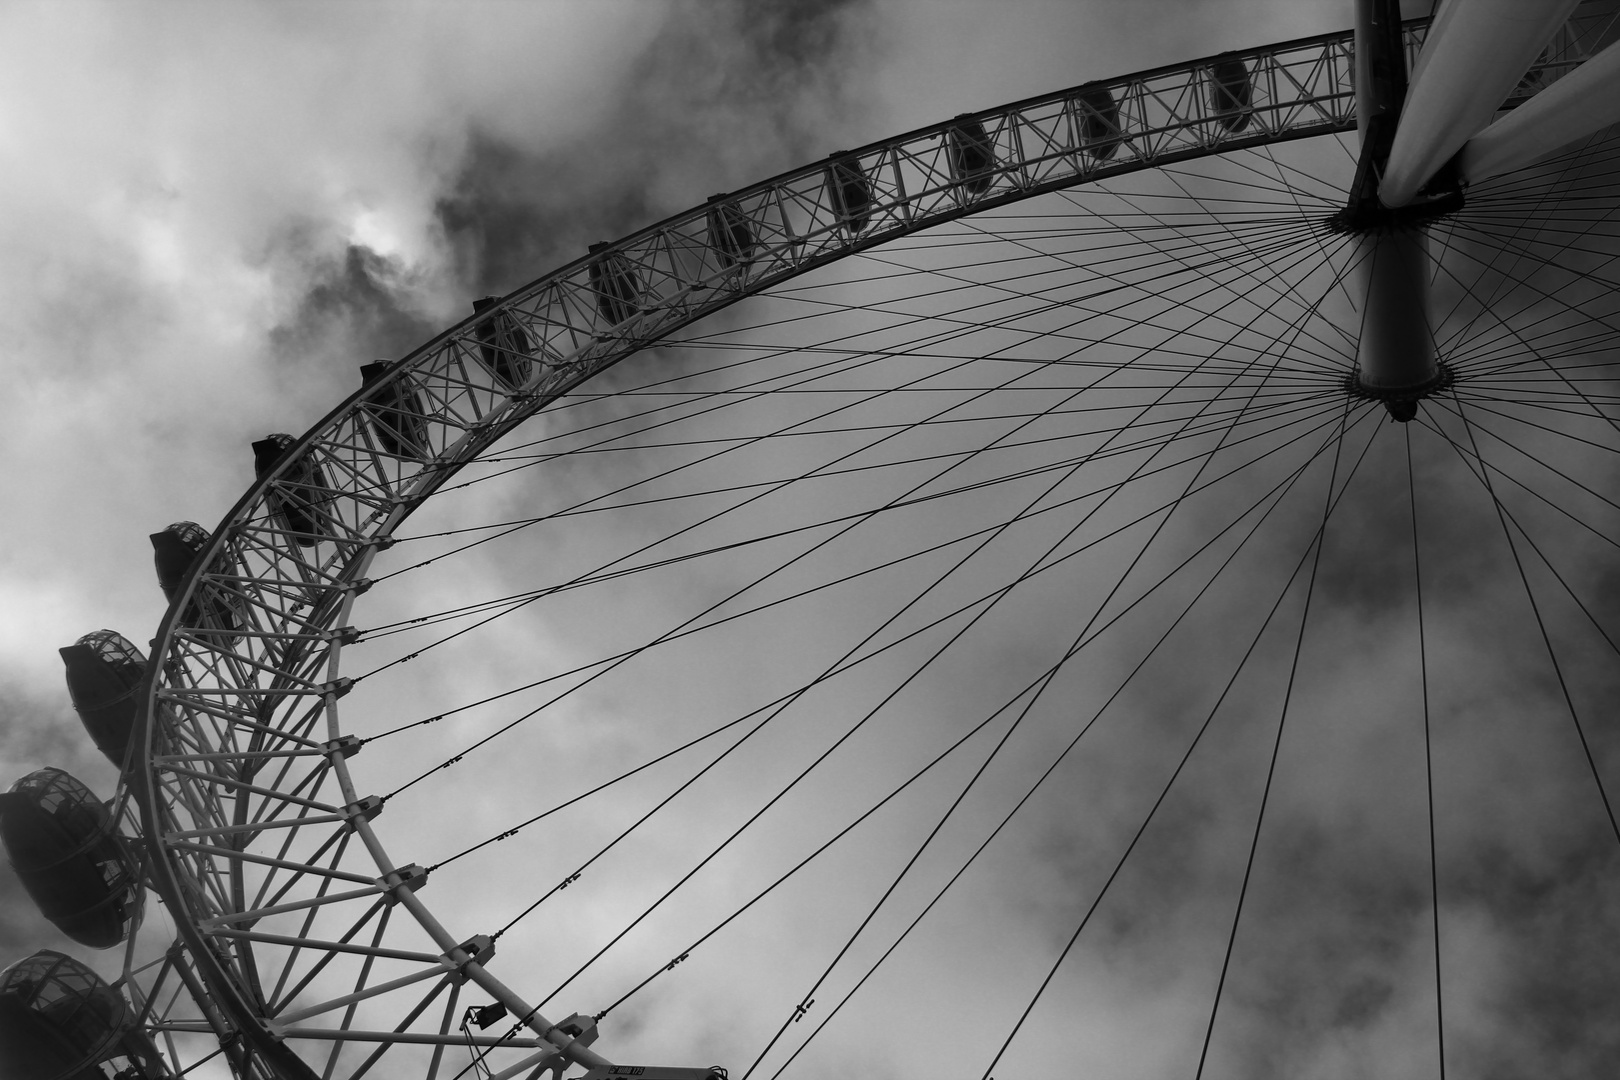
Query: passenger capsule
{"type": "Point", "coordinates": [173, 551]}
{"type": "Point", "coordinates": [103, 673]}
{"type": "Point", "coordinates": [1230, 93]}
{"type": "Point", "coordinates": [503, 345]}
{"type": "Point", "coordinates": [849, 191]}
{"type": "Point", "coordinates": [61, 841]}
{"type": "Point", "coordinates": [973, 158]}
{"type": "Point", "coordinates": [395, 409]}
{"type": "Point", "coordinates": [1099, 122]}
{"type": "Point", "coordinates": [297, 500]}
{"type": "Point", "coordinates": [59, 1020]}
{"type": "Point", "coordinates": [730, 234]}
{"type": "Point", "coordinates": [614, 280]}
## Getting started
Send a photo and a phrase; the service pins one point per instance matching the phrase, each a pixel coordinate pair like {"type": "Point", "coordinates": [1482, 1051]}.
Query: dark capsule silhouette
{"type": "Point", "coordinates": [61, 841]}
{"type": "Point", "coordinates": [503, 345]}
{"type": "Point", "coordinates": [59, 1021]}
{"type": "Point", "coordinates": [103, 673]}
{"type": "Point", "coordinates": [173, 551]}
{"type": "Point", "coordinates": [297, 500]}
{"type": "Point", "coordinates": [1099, 122]}
{"type": "Point", "coordinates": [395, 410]}
{"type": "Point", "coordinates": [849, 191]}
{"type": "Point", "coordinates": [730, 233]}
{"type": "Point", "coordinates": [973, 158]}
{"type": "Point", "coordinates": [615, 283]}
{"type": "Point", "coordinates": [1230, 93]}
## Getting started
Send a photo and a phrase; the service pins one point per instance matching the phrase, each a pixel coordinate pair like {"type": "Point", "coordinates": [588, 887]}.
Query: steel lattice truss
{"type": "Point", "coordinates": [255, 836]}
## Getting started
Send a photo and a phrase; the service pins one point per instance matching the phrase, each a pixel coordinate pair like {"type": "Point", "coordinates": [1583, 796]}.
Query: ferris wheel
{"type": "Point", "coordinates": [1117, 582]}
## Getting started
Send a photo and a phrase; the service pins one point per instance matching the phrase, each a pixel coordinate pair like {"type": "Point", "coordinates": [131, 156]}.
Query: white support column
{"type": "Point", "coordinates": [1582, 102]}
{"type": "Point", "coordinates": [1475, 53]}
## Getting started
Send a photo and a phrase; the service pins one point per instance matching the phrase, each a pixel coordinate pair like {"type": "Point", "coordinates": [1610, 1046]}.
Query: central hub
{"type": "Point", "coordinates": [1401, 404]}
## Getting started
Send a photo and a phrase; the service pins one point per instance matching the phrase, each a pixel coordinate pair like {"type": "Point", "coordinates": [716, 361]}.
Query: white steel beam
{"type": "Point", "coordinates": [1475, 53]}
{"type": "Point", "coordinates": [1584, 101]}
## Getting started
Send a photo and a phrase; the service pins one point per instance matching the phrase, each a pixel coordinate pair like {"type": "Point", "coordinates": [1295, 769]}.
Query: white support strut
{"type": "Point", "coordinates": [1475, 54]}
{"type": "Point", "coordinates": [1582, 102]}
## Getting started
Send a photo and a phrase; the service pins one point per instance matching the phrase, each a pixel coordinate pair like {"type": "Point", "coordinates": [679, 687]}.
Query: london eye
{"type": "Point", "coordinates": [1118, 582]}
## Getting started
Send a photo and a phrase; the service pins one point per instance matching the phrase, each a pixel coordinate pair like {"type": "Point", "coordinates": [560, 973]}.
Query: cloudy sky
{"type": "Point", "coordinates": [214, 213]}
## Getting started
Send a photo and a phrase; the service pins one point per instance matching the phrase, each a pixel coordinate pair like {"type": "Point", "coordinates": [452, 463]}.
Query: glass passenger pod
{"type": "Point", "coordinates": [973, 156]}
{"type": "Point", "coordinates": [503, 345]}
{"type": "Point", "coordinates": [615, 283]}
{"type": "Point", "coordinates": [1231, 94]}
{"type": "Point", "coordinates": [1097, 114]}
{"type": "Point", "coordinates": [850, 191]}
{"type": "Point", "coordinates": [730, 233]}
{"type": "Point", "coordinates": [60, 1021]}
{"type": "Point", "coordinates": [61, 841]}
{"type": "Point", "coordinates": [395, 409]}
{"type": "Point", "coordinates": [173, 551]}
{"type": "Point", "coordinates": [297, 500]}
{"type": "Point", "coordinates": [103, 672]}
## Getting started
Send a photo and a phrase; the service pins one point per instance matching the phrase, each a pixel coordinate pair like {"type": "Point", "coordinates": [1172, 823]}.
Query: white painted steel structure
{"type": "Point", "coordinates": [251, 817]}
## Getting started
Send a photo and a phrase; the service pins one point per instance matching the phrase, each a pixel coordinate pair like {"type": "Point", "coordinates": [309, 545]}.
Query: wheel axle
{"type": "Point", "coordinates": [1401, 403]}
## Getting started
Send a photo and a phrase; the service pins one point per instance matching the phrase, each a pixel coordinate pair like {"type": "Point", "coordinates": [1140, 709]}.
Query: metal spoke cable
{"type": "Point", "coordinates": [1313, 544]}
{"type": "Point", "coordinates": [1299, 406]}
{"type": "Point", "coordinates": [957, 635]}
{"type": "Point", "coordinates": [1541, 626]}
{"type": "Point", "coordinates": [1271, 494]}
{"type": "Point", "coordinates": [927, 841]}
{"type": "Point", "coordinates": [851, 525]}
{"type": "Point", "coordinates": [1428, 757]}
{"type": "Point", "coordinates": [959, 610]}
{"type": "Point", "coordinates": [1319, 543]}
{"type": "Point", "coordinates": [1276, 496]}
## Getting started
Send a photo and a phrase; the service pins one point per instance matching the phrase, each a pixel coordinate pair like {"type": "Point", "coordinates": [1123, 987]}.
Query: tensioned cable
{"type": "Point", "coordinates": [485, 539]}
{"type": "Point", "coordinates": [1299, 409]}
{"type": "Point", "coordinates": [1491, 265]}
{"type": "Point", "coordinates": [1273, 491]}
{"type": "Point", "coordinates": [701, 460]}
{"type": "Point", "coordinates": [1108, 535]}
{"type": "Point", "coordinates": [1040, 781]}
{"type": "Point", "coordinates": [778, 294]}
{"type": "Point", "coordinates": [1292, 291]}
{"type": "Point", "coordinates": [1541, 626]}
{"type": "Point", "coordinates": [1341, 194]}
{"type": "Point", "coordinates": [1073, 649]}
{"type": "Point", "coordinates": [1470, 462]}
{"type": "Point", "coordinates": [971, 326]}
{"type": "Point", "coordinates": [1302, 385]}
{"type": "Point", "coordinates": [1093, 384]}
{"type": "Point", "coordinates": [1533, 491]}
{"type": "Point", "coordinates": [1428, 756]}
{"type": "Point", "coordinates": [1519, 334]}
{"type": "Point", "coordinates": [1275, 495]}
{"type": "Point", "coordinates": [909, 678]}
{"type": "Point", "coordinates": [1230, 236]}
{"type": "Point", "coordinates": [1276, 747]}
{"type": "Point", "coordinates": [1542, 555]}
{"type": "Point", "coordinates": [1314, 544]}
{"type": "Point", "coordinates": [704, 521]}
{"type": "Point", "coordinates": [700, 615]}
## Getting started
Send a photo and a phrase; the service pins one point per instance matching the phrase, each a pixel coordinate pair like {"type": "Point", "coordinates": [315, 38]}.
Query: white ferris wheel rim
{"type": "Point", "coordinates": [913, 182]}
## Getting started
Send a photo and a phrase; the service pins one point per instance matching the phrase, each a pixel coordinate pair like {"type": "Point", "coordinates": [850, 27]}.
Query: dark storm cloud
{"type": "Point", "coordinates": [724, 94]}
{"type": "Point", "coordinates": [360, 304]}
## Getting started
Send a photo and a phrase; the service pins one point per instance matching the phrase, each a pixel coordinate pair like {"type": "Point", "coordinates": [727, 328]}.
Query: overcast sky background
{"type": "Point", "coordinates": [214, 213]}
